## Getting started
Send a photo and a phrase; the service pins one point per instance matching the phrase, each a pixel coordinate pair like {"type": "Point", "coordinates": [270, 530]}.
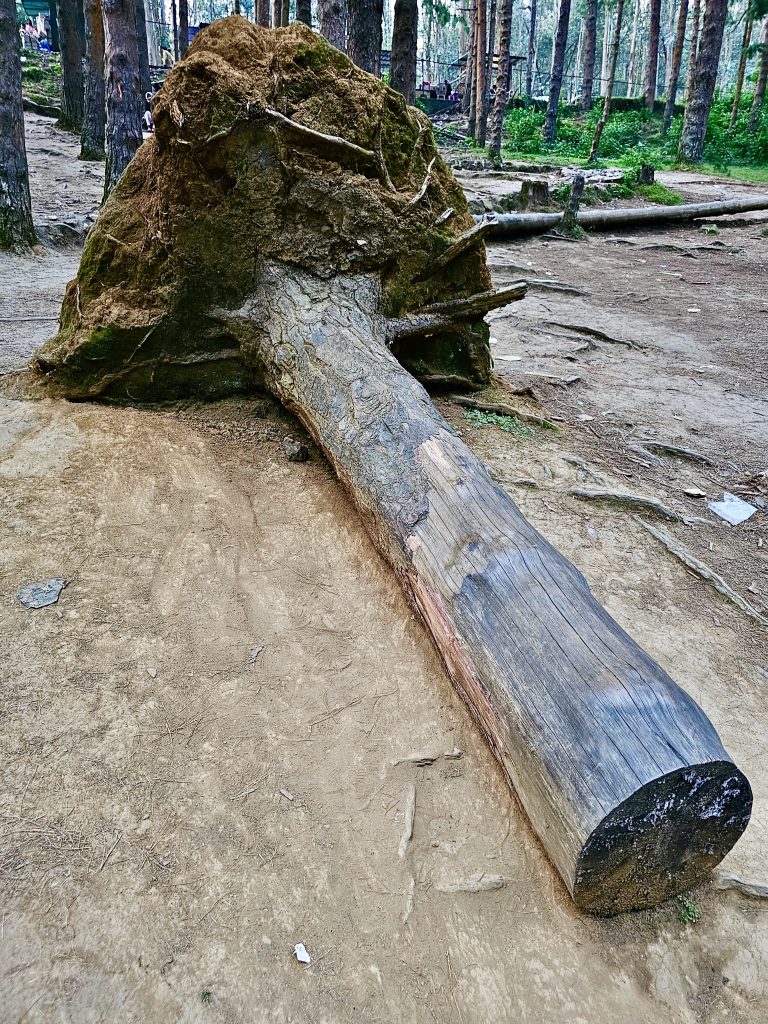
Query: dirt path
{"type": "Point", "coordinates": [178, 811]}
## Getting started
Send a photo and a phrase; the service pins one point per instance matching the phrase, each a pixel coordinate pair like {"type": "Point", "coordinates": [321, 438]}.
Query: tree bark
{"type": "Point", "coordinates": [695, 25]}
{"type": "Point", "coordinates": [762, 79]}
{"type": "Point", "coordinates": [262, 12]}
{"type": "Point", "coordinates": [481, 83]}
{"type": "Point", "coordinates": [55, 47]}
{"type": "Point", "coordinates": [502, 82]}
{"type": "Point", "coordinates": [531, 52]}
{"type": "Point", "coordinates": [633, 49]}
{"type": "Point", "coordinates": [605, 56]}
{"type": "Point", "coordinates": [746, 39]}
{"type": "Point", "coordinates": [72, 88]}
{"type": "Point", "coordinates": [92, 138]}
{"type": "Point", "coordinates": [15, 203]}
{"type": "Point", "coordinates": [606, 111]}
{"type": "Point", "coordinates": [490, 51]}
{"type": "Point", "coordinates": [674, 69]}
{"type": "Point", "coordinates": [707, 60]}
{"type": "Point", "coordinates": [652, 68]}
{"type": "Point", "coordinates": [332, 19]}
{"type": "Point", "coordinates": [174, 31]}
{"type": "Point", "coordinates": [364, 33]}
{"type": "Point", "coordinates": [558, 60]}
{"type": "Point", "coordinates": [621, 774]}
{"type": "Point", "coordinates": [402, 73]}
{"type": "Point", "coordinates": [123, 89]}
{"type": "Point", "coordinates": [145, 78]}
{"type": "Point", "coordinates": [277, 13]}
{"type": "Point", "coordinates": [304, 11]}
{"type": "Point", "coordinates": [285, 13]}
{"type": "Point", "coordinates": [590, 52]}
{"type": "Point", "coordinates": [183, 11]}
{"type": "Point", "coordinates": [470, 77]}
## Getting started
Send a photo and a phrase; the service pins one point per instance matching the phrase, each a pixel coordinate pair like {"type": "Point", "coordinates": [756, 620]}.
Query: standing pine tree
{"type": "Point", "coordinates": [590, 50]}
{"type": "Point", "coordinates": [502, 82]}
{"type": "Point", "coordinates": [72, 88]}
{"type": "Point", "coordinates": [92, 137]}
{"type": "Point", "coordinates": [15, 205]}
{"type": "Point", "coordinates": [531, 52]}
{"type": "Point", "coordinates": [746, 40]}
{"type": "Point", "coordinates": [123, 90]}
{"type": "Point", "coordinates": [145, 79]}
{"type": "Point", "coordinates": [481, 66]}
{"type": "Point", "coordinates": [695, 24]}
{"type": "Point", "coordinates": [705, 76]}
{"type": "Point", "coordinates": [762, 79]}
{"type": "Point", "coordinates": [332, 20]}
{"type": "Point", "coordinates": [304, 11]}
{"type": "Point", "coordinates": [674, 68]}
{"type": "Point", "coordinates": [652, 68]}
{"type": "Point", "coordinates": [262, 12]}
{"type": "Point", "coordinates": [364, 33]}
{"type": "Point", "coordinates": [183, 10]}
{"type": "Point", "coordinates": [612, 61]}
{"type": "Point", "coordinates": [558, 61]}
{"type": "Point", "coordinates": [402, 73]}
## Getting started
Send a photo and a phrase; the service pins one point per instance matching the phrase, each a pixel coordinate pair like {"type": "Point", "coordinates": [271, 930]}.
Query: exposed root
{"type": "Point", "coordinates": [633, 501]}
{"type": "Point", "coordinates": [503, 409]}
{"type": "Point", "coordinates": [673, 449]}
{"type": "Point", "coordinates": [443, 316]}
{"type": "Point", "coordinates": [474, 236]}
{"type": "Point", "coordinates": [445, 216]}
{"type": "Point", "coordinates": [485, 883]}
{"type": "Point", "coordinates": [591, 332]}
{"type": "Point", "coordinates": [425, 185]}
{"type": "Point", "coordinates": [696, 565]}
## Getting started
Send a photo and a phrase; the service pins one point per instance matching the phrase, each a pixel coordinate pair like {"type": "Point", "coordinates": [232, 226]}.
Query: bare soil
{"type": "Point", "coordinates": [179, 810]}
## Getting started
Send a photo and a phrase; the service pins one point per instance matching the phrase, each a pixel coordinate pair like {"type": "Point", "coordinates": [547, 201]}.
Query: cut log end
{"type": "Point", "coordinates": [663, 840]}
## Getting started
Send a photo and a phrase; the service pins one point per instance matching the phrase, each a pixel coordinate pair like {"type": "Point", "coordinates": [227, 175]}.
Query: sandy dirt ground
{"type": "Point", "coordinates": [207, 744]}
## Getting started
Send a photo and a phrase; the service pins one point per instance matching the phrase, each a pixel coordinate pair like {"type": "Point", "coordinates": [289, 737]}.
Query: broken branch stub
{"type": "Point", "coordinates": [622, 775]}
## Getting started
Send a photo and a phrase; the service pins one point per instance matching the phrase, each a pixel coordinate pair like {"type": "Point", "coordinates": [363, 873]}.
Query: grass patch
{"type": "Point", "coordinates": [509, 424]}
{"type": "Point", "coordinates": [658, 193]}
{"type": "Point", "coordinates": [688, 913]}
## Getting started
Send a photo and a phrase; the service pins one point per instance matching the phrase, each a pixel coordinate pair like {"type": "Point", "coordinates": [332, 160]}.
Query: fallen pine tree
{"type": "Point", "coordinates": [512, 225]}
{"type": "Point", "coordinates": [245, 249]}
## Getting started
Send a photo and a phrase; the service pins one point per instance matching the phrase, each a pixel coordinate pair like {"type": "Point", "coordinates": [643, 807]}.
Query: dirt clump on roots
{"type": "Point", "coordinates": [232, 178]}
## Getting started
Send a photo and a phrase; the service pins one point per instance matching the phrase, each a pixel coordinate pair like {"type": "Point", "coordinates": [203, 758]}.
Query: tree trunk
{"type": "Point", "coordinates": [72, 90]}
{"type": "Point", "coordinates": [402, 73]}
{"type": "Point", "coordinates": [606, 111]}
{"type": "Point", "coordinates": [622, 776]}
{"type": "Point", "coordinates": [262, 12]}
{"type": "Point", "coordinates": [481, 65]}
{"type": "Point", "coordinates": [590, 53]}
{"type": "Point", "coordinates": [123, 90]}
{"type": "Point", "coordinates": [277, 13]}
{"type": "Point", "coordinates": [92, 138]}
{"type": "Point", "coordinates": [304, 11]}
{"type": "Point", "coordinates": [470, 76]}
{"type": "Point", "coordinates": [633, 49]}
{"type": "Point", "coordinates": [558, 59]}
{"type": "Point", "coordinates": [531, 52]}
{"type": "Point", "coordinates": [364, 33]}
{"type": "Point", "coordinates": [695, 25]}
{"type": "Point", "coordinates": [605, 56]}
{"type": "Point", "coordinates": [285, 13]}
{"type": "Point", "coordinates": [145, 78]}
{"type": "Point", "coordinates": [490, 52]}
{"type": "Point", "coordinates": [707, 60]}
{"type": "Point", "coordinates": [746, 40]}
{"type": "Point", "coordinates": [55, 46]}
{"type": "Point", "coordinates": [15, 204]}
{"type": "Point", "coordinates": [332, 21]}
{"type": "Point", "coordinates": [674, 69]}
{"type": "Point", "coordinates": [762, 79]}
{"type": "Point", "coordinates": [183, 11]}
{"type": "Point", "coordinates": [174, 32]}
{"type": "Point", "coordinates": [502, 82]}
{"type": "Point", "coordinates": [653, 54]}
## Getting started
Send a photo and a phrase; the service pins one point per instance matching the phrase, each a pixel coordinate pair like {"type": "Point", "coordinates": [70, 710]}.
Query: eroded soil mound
{"type": "Point", "coordinates": [238, 173]}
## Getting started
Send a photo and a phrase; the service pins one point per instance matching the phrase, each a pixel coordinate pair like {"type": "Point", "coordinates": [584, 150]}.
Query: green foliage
{"type": "Point", "coordinates": [509, 424]}
{"type": "Point", "coordinates": [205, 996]}
{"type": "Point", "coordinates": [688, 913]}
{"type": "Point", "coordinates": [658, 193]}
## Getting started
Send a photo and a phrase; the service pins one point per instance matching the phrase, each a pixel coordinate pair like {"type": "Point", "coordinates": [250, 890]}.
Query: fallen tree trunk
{"type": "Point", "coordinates": [511, 225]}
{"type": "Point", "coordinates": [621, 773]}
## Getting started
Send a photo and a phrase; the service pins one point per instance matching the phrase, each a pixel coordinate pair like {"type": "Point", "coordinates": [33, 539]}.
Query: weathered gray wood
{"type": "Point", "coordinates": [512, 225]}
{"type": "Point", "coordinates": [474, 236]}
{"type": "Point", "coordinates": [445, 316]}
{"type": "Point", "coordinates": [623, 777]}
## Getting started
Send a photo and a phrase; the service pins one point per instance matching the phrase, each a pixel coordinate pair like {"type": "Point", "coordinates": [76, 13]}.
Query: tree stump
{"type": "Point", "coordinates": [286, 226]}
{"type": "Point", "coordinates": [647, 174]}
{"type": "Point", "coordinates": [535, 192]}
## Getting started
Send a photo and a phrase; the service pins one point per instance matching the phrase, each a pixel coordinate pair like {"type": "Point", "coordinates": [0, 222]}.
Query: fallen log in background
{"type": "Point", "coordinates": [621, 773]}
{"type": "Point", "coordinates": [511, 225]}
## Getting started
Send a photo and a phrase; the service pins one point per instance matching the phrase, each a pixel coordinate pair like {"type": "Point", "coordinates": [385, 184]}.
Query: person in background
{"type": "Point", "coordinates": [42, 44]}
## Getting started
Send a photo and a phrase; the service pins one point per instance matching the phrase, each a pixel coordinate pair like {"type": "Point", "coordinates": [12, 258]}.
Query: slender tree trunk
{"type": "Point", "coordinates": [72, 90]}
{"type": "Point", "coordinates": [285, 13]}
{"type": "Point", "coordinates": [304, 11]}
{"type": "Point", "coordinates": [590, 50]}
{"type": "Point", "coordinates": [558, 60]}
{"type": "Point", "coordinates": [606, 53]}
{"type": "Point", "coordinates": [491, 50]}
{"type": "Point", "coordinates": [652, 68]}
{"type": "Point", "coordinates": [470, 76]}
{"type": "Point", "coordinates": [695, 24]}
{"type": "Point", "coordinates": [606, 112]}
{"type": "Point", "coordinates": [364, 33]}
{"type": "Point", "coordinates": [746, 40]}
{"type": "Point", "coordinates": [277, 13]}
{"type": "Point", "coordinates": [332, 21]}
{"type": "Point", "coordinates": [92, 138]}
{"type": "Point", "coordinates": [633, 49]}
{"type": "Point", "coordinates": [15, 204]}
{"type": "Point", "coordinates": [531, 52]}
{"type": "Point", "coordinates": [262, 12]}
{"type": "Point", "coordinates": [502, 82]}
{"type": "Point", "coordinates": [123, 90]}
{"type": "Point", "coordinates": [141, 37]}
{"type": "Point", "coordinates": [184, 27]}
{"type": "Point", "coordinates": [175, 26]}
{"type": "Point", "coordinates": [481, 84]}
{"type": "Point", "coordinates": [707, 60]}
{"type": "Point", "coordinates": [236, 7]}
{"type": "Point", "coordinates": [674, 68]}
{"type": "Point", "coordinates": [54, 27]}
{"type": "Point", "coordinates": [402, 73]}
{"type": "Point", "coordinates": [762, 78]}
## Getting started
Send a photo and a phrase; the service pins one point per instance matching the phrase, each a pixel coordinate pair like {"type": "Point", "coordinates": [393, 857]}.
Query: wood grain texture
{"type": "Point", "coordinates": [622, 775]}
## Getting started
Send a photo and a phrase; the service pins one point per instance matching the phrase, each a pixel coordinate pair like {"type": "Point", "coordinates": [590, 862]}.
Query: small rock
{"type": "Point", "coordinates": [301, 954]}
{"type": "Point", "coordinates": [294, 450]}
{"type": "Point", "coordinates": [694, 492]}
{"type": "Point", "coordinates": [40, 595]}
